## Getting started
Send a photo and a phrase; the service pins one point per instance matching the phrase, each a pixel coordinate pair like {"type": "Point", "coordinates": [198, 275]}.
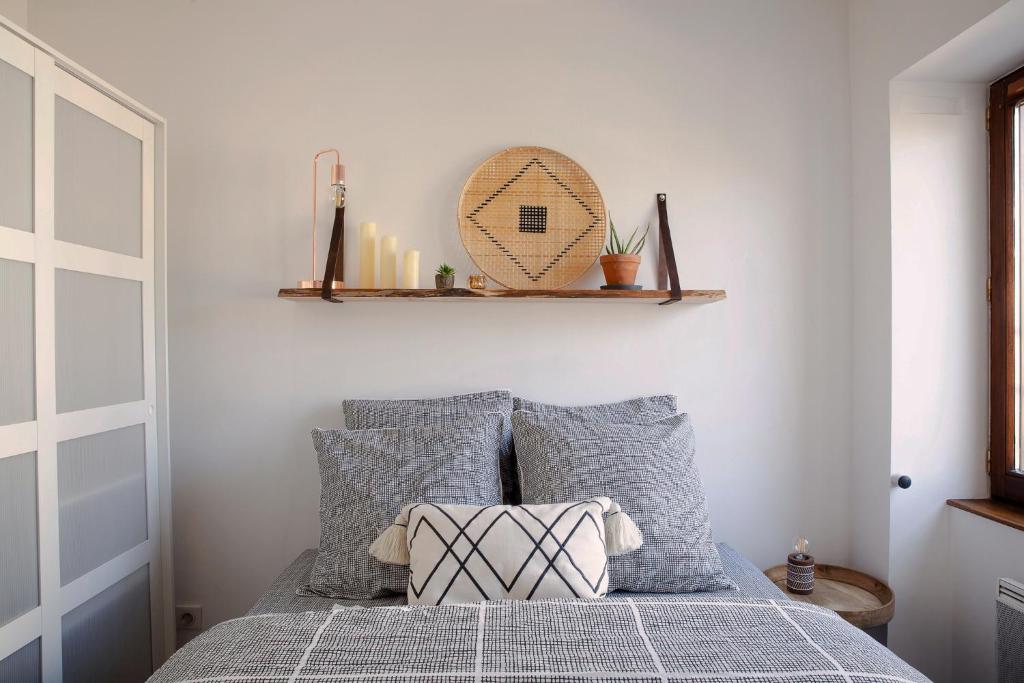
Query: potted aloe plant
{"type": "Point", "coordinates": [444, 276]}
{"type": "Point", "coordinates": [621, 260]}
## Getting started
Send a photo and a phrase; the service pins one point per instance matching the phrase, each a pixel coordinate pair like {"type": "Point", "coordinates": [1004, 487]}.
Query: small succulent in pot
{"type": "Point", "coordinates": [621, 259]}
{"type": "Point", "coordinates": [444, 276]}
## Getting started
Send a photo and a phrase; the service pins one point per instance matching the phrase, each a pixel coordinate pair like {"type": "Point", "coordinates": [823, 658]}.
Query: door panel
{"type": "Point", "coordinates": [98, 187]}
{"type": "Point", "coordinates": [22, 666]}
{"type": "Point", "coordinates": [99, 340]}
{"type": "Point", "coordinates": [102, 492]}
{"type": "Point", "coordinates": [15, 147]}
{"type": "Point", "coordinates": [107, 638]}
{"type": "Point", "coordinates": [19, 552]}
{"type": "Point", "coordinates": [17, 343]}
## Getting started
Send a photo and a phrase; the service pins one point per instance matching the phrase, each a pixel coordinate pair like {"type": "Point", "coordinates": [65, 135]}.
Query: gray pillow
{"type": "Point", "coordinates": [366, 476]}
{"type": "Point", "coordinates": [643, 409]}
{"type": "Point", "coordinates": [380, 413]}
{"type": "Point", "coordinates": [647, 469]}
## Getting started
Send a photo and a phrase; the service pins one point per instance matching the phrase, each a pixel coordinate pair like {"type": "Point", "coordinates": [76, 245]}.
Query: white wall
{"type": "Point", "coordinates": [945, 562]}
{"type": "Point", "coordinates": [885, 38]}
{"type": "Point", "coordinates": [738, 109]}
{"type": "Point", "coordinates": [939, 348]}
{"type": "Point", "coordinates": [15, 10]}
{"type": "Point", "coordinates": [983, 552]}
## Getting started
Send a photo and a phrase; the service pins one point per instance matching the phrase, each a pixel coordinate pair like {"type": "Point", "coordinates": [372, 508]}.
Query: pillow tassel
{"type": "Point", "coordinates": [392, 547]}
{"type": "Point", "coordinates": [620, 533]}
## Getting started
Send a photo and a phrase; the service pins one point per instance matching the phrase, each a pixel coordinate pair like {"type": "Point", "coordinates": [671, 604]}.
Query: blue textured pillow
{"type": "Point", "coordinates": [642, 409]}
{"type": "Point", "coordinates": [372, 413]}
{"type": "Point", "coordinates": [367, 476]}
{"type": "Point", "coordinates": [649, 470]}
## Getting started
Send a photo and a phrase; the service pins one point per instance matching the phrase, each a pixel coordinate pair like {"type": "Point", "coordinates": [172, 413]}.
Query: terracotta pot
{"type": "Point", "coordinates": [620, 269]}
{"type": "Point", "coordinates": [444, 281]}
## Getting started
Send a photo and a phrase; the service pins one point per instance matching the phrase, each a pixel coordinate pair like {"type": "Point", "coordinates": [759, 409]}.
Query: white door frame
{"type": "Point", "coordinates": [55, 74]}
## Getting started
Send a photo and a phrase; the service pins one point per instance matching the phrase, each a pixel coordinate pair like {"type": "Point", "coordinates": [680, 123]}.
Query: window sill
{"type": "Point", "coordinates": [1000, 511]}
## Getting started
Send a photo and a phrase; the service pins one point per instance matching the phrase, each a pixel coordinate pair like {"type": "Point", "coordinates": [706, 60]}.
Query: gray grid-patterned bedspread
{"type": "Point", "coordinates": [632, 639]}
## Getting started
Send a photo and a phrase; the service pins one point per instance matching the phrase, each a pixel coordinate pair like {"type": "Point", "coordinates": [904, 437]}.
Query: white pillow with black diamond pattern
{"type": "Point", "coordinates": [464, 553]}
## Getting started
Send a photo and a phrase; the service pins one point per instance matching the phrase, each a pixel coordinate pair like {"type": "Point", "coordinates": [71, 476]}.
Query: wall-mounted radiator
{"type": "Point", "coordinates": [1010, 631]}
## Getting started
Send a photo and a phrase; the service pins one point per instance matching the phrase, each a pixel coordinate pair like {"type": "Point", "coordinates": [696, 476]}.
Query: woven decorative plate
{"type": "Point", "coordinates": [532, 218]}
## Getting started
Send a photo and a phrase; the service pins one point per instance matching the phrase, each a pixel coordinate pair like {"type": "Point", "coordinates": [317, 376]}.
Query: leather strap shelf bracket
{"type": "Point", "coordinates": [667, 256]}
{"type": "Point", "coordinates": [335, 266]}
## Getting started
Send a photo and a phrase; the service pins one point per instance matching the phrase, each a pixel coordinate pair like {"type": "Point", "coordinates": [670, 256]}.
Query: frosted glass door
{"type": "Point", "coordinates": [20, 588]}
{"type": "Point", "coordinates": [80, 557]}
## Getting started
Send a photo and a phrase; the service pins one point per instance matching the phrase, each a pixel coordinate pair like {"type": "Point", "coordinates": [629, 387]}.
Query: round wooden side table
{"type": "Point", "coordinates": [862, 600]}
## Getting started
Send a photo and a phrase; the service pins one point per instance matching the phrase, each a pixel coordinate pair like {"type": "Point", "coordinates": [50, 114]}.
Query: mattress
{"type": "Point", "coordinates": [282, 597]}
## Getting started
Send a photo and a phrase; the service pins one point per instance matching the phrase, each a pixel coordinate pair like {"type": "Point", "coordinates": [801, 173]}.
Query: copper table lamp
{"type": "Point", "coordinates": [338, 190]}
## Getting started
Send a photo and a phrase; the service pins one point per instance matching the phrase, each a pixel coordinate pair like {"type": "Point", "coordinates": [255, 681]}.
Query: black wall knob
{"type": "Point", "coordinates": [903, 481]}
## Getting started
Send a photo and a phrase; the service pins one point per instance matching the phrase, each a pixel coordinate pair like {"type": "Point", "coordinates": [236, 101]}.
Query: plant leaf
{"type": "Point", "coordinates": [629, 244]}
{"type": "Point", "coordinates": [643, 240]}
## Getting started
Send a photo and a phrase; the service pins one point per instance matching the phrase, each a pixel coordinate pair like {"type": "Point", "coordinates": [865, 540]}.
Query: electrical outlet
{"type": "Point", "coordinates": [188, 617]}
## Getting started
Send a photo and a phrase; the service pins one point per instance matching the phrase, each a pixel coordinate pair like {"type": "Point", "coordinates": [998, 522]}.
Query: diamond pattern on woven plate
{"type": "Point", "coordinates": [473, 550]}
{"type": "Point", "coordinates": [566, 222]}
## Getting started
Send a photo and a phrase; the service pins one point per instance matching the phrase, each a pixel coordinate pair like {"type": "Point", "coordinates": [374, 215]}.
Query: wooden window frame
{"type": "Point", "coordinates": [1004, 97]}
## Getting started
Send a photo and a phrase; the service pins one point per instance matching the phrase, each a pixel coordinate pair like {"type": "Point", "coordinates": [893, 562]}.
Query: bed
{"type": "Point", "coordinates": [414, 501]}
{"type": "Point", "coordinates": [751, 634]}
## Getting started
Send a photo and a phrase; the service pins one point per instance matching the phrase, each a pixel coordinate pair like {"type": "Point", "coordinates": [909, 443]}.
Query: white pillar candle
{"type": "Point", "coordinates": [388, 261]}
{"type": "Point", "coordinates": [367, 255]}
{"type": "Point", "coordinates": [411, 270]}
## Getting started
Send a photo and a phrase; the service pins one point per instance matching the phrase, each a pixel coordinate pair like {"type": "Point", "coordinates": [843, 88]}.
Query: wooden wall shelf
{"type": "Point", "coordinates": [668, 292]}
{"type": "Point", "coordinates": [648, 296]}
